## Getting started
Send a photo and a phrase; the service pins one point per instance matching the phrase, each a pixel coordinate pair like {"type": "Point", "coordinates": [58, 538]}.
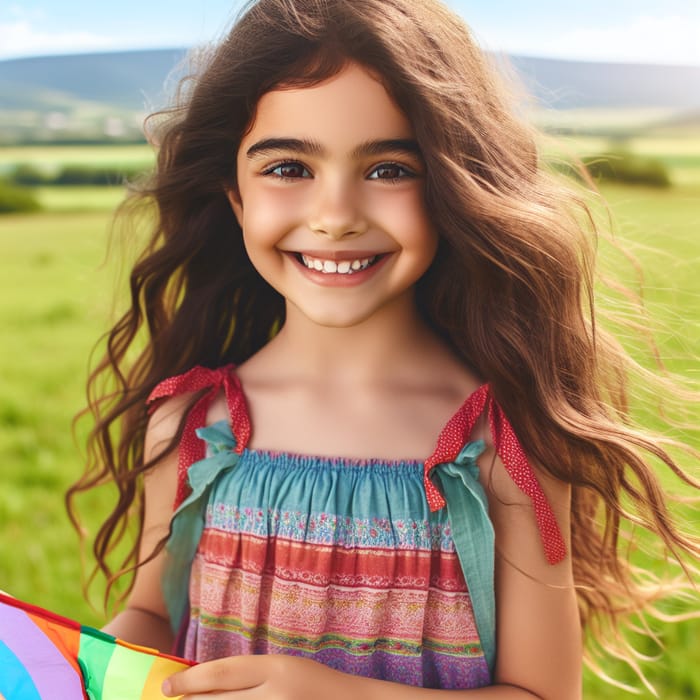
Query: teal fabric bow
{"type": "Point", "coordinates": [474, 538]}
{"type": "Point", "coordinates": [188, 520]}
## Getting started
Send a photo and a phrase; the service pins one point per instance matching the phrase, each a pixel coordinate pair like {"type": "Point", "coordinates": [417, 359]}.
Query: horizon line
{"type": "Point", "coordinates": [494, 52]}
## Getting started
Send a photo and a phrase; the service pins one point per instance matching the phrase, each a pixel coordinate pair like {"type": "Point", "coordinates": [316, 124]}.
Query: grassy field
{"type": "Point", "coordinates": [51, 159]}
{"type": "Point", "coordinates": [681, 155]}
{"type": "Point", "coordinates": [56, 299]}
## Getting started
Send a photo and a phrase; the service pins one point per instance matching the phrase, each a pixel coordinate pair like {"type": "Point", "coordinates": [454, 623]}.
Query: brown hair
{"type": "Point", "coordinates": [511, 287]}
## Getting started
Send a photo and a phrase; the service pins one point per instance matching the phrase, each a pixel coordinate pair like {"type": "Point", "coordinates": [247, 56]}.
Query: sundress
{"type": "Point", "coordinates": [348, 562]}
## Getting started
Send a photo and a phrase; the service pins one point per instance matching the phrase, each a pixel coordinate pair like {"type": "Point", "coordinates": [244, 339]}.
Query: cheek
{"type": "Point", "coordinates": [267, 216]}
{"type": "Point", "coordinates": [406, 216]}
{"type": "Point", "coordinates": [420, 236]}
{"type": "Point", "coordinates": [424, 251]}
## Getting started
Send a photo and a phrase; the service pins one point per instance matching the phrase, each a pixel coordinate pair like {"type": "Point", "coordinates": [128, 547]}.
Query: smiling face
{"type": "Point", "coordinates": [330, 199]}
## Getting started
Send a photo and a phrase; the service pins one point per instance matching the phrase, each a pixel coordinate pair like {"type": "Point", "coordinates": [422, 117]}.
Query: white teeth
{"type": "Point", "coordinates": [344, 267]}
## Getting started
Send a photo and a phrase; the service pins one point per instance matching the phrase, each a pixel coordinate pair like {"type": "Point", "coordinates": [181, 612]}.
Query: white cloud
{"type": "Point", "coordinates": [646, 39]}
{"type": "Point", "coordinates": [20, 13]}
{"type": "Point", "coordinates": [22, 38]}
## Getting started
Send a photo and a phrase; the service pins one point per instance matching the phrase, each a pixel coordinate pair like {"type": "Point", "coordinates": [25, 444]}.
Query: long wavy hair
{"type": "Point", "coordinates": [511, 287]}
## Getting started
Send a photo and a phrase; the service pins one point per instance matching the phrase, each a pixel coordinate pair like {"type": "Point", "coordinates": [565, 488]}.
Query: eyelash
{"type": "Point", "coordinates": [405, 172]}
{"type": "Point", "coordinates": [285, 164]}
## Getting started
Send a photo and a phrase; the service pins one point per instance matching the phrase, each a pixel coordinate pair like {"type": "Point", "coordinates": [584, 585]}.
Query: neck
{"type": "Point", "coordinates": [392, 342]}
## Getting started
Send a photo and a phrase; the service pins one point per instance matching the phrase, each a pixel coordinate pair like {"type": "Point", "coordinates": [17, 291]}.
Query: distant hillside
{"type": "Point", "coordinates": [573, 84]}
{"type": "Point", "coordinates": [97, 96]}
{"type": "Point", "coordinates": [123, 79]}
{"type": "Point", "coordinates": [86, 97]}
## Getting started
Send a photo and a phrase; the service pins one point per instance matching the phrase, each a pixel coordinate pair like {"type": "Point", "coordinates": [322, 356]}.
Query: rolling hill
{"type": "Point", "coordinates": [122, 80]}
{"type": "Point", "coordinates": [97, 96]}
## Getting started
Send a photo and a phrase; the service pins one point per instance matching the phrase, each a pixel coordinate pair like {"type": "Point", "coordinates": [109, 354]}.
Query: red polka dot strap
{"type": "Point", "coordinates": [192, 449]}
{"type": "Point", "coordinates": [456, 433]}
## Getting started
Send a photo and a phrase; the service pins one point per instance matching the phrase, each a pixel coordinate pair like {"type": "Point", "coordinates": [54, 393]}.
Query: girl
{"type": "Point", "coordinates": [359, 290]}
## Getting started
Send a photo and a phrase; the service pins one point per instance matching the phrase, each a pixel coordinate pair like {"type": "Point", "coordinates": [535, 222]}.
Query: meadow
{"type": "Point", "coordinates": [57, 298]}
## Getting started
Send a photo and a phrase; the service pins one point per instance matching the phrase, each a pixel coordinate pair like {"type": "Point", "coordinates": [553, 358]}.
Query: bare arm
{"type": "Point", "coordinates": [294, 678]}
{"type": "Point", "coordinates": [145, 620]}
{"type": "Point", "coordinates": [539, 632]}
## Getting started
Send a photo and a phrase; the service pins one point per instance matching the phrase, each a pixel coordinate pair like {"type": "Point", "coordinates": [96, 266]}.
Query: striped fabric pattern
{"type": "Point", "coordinates": [332, 559]}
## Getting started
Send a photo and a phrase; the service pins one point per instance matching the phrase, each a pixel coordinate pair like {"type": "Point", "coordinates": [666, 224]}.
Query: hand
{"type": "Point", "coordinates": [267, 677]}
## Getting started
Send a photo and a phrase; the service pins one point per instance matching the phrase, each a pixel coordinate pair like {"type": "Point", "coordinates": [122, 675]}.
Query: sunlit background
{"type": "Point", "coordinates": [639, 31]}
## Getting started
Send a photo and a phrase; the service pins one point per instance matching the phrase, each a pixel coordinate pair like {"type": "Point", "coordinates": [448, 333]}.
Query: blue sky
{"type": "Point", "coordinates": [646, 31]}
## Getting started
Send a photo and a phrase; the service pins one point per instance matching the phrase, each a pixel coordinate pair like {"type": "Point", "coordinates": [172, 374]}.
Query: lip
{"type": "Point", "coordinates": [334, 279]}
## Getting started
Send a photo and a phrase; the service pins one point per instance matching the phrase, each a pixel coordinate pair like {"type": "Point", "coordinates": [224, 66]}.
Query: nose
{"type": "Point", "coordinates": [337, 209]}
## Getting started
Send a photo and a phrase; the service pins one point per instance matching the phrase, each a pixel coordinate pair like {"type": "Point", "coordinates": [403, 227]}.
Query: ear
{"type": "Point", "coordinates": [236, 203]}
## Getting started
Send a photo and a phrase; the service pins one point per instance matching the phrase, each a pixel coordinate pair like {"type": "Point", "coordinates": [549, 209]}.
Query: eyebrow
{"type": "Point", "coordinates": [307, 147]}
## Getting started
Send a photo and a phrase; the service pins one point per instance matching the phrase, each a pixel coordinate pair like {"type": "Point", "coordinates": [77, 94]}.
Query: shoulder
{"type": "Point", "coordinates": [161, 456]}
{"type": "Point", "coordinates": [168, 419]}
{"type": "Point", "coordinates": [519, 490]}
{"type": "Point", "coordinates": [179, 406]}
{"type": "Point", "coordinates": [172, 400]}
{"type": "Point", "coordinates": [501, 487]}
{"type": "Point", "coordinates": [521, 536]}
{"type": "Point", "coordinates": [165, 423]}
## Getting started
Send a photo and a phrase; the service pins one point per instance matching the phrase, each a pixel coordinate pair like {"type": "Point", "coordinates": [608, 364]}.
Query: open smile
{"type": "Point", "coordinates": [342, 268]}
{"type": "Point", "coordinates": [348, 266]}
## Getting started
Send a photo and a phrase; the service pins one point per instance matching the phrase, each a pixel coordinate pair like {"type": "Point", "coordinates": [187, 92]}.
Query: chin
{"type": "Point", "coordinates": [336, 318]}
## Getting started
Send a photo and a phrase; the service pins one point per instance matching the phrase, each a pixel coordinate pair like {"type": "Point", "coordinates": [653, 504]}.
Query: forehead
{"type": "Point", "coordinates": [348, 108]}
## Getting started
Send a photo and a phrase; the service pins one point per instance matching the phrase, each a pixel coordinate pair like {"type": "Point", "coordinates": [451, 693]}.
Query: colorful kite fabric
{"type": "Point", "coordinates": [47, 657]}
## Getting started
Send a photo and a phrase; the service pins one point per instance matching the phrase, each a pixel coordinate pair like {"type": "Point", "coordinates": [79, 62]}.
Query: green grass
{"type": "Point", "coordinates": [79, 199]}
{"type": "Point", "coordinates": [660, 227]}
{"type": "Point", "coordinates": [679, 153]}
{"type": "Point", "coordinates": [51, 158]}
{"type": "Point", "coordinates": [53, 305]}
{"type": "Point", "coordinates": [55, 300]}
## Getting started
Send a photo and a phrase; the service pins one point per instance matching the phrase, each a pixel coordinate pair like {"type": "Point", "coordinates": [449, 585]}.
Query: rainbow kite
{"type": "Point", "coordinates": [47, 657]}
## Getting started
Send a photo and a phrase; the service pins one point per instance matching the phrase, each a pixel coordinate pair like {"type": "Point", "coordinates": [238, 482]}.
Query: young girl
{"type": "Point", "coordinates": [374, 420]}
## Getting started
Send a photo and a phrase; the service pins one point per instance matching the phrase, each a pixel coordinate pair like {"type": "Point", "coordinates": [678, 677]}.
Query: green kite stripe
{"type": "Point", "coordinates": [95, 652]}
{"type": "Point", "coordinates": [126, 674]}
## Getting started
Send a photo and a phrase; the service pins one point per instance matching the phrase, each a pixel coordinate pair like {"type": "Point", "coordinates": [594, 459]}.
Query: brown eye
{"type": "Point", "coordinates": [289, 171]}
{"type": "Point", "coordinates": [390, 171]}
